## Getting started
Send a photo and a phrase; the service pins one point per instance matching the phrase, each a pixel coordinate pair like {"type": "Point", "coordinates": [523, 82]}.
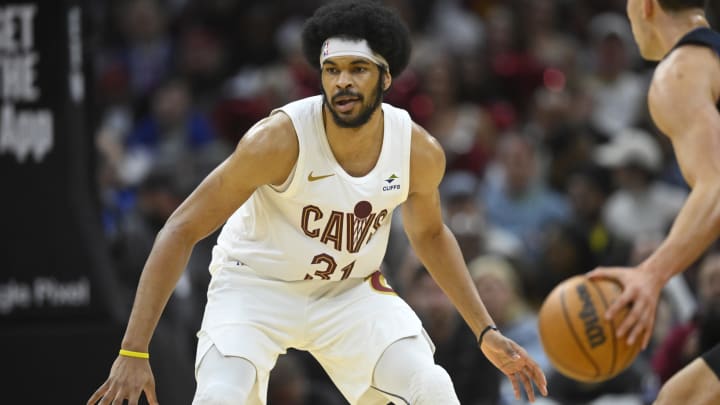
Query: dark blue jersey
{"type": "Point", "coordinates": [703, 37]}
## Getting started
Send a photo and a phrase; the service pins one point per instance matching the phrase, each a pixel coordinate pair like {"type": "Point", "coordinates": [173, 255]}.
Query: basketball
{"type": "Point", "coordinates": [577, 339]}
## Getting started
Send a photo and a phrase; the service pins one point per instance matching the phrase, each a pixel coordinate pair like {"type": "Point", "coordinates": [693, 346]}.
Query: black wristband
{"type": "Point", "coordinates": [484, 331]}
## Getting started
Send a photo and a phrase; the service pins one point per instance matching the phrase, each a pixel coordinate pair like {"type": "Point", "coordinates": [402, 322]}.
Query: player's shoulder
{"type": "Point", "coordinates": [272, 134]}
{"type": "Point", "coordinates": [685, 82]}
{"type": "Point", "coordinates": [427, 157]}
{"type": "Point", "coordinates": [277, 124]}
{"type": "Point", "coordinates": [424, 145]}
{"type": "Point", "coordinates": [687, 67]}
{"type": "Point", "coordinates": [268, 150]}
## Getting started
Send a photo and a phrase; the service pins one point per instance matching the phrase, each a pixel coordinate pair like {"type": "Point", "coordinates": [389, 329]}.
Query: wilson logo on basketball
{"type": "Point", "coordinates": [593, 331]}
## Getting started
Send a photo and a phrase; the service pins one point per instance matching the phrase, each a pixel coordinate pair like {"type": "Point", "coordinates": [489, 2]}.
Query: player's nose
{"type": "Point", "coordinates": [344, 80]}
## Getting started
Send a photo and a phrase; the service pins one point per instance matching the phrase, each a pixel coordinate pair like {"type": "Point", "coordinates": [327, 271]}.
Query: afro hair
{"type": "Point", "coordinates": [383, 29]}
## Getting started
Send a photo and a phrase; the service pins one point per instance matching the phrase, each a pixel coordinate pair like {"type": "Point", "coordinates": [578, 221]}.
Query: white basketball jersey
{"type": "Point", "coordinates": [324, 224]}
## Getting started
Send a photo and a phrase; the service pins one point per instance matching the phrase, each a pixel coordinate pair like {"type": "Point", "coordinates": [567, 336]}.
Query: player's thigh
{"type": "Point", "coordinates": [695, 384]}
{"type": "Point", "coordinates": [350, 329]}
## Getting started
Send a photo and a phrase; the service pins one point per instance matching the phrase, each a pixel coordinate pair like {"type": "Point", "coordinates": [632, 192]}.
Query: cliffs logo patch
{"type": "Point", "coordinates": [391, 183]}
{"type": "Point", "coordinates": [392, 178]}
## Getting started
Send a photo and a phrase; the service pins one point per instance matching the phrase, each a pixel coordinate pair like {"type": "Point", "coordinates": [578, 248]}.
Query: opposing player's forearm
{"type": "Point", "coordinates": [163, 268]}
{"type": "Point", "coordinates": [695, 228]}
{"type": "Point", "coordinates": [442, 257]}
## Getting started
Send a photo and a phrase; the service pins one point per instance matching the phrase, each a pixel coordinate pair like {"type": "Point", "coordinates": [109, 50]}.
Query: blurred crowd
{"type": "Point", "coordinates": [553, 164]}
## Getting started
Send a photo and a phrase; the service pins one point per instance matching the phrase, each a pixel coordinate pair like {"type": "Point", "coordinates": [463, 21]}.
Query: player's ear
{"type": "Point", "coordinates": [649, 7]}
{"type": "Point", "coordinates": [387, 80]}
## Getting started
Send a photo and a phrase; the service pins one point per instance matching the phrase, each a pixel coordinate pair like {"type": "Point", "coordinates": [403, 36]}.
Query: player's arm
{"type": "Point", "coordinates": [438, 250]}
{"type": "Point", "coordinates": [682, 101]}
{"type": "Point", "coordinates": [265, 155]}
{"type": "Point", "coordinates": [431, 240]}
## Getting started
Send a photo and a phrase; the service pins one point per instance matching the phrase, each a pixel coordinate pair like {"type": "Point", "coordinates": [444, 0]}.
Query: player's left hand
{"type": "Point", "coordinates": [515, 363]}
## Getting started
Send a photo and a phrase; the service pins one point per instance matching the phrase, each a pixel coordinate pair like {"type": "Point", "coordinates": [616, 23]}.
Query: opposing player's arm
{"type": "Point", "coordinates": [265, 155]}
{"type": "Point", "coordinates": [431, 240]}
{"type": "Point", "coordinates": [682, 101]}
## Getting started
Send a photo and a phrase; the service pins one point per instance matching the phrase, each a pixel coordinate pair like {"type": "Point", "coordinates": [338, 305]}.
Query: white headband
{"type": "Point", "coordinates": [336, 46]}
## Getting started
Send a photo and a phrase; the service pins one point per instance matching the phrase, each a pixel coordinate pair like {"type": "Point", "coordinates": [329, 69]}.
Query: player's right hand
{"type": "Point", "coordinates": [640, 292]}
{"type": "Point", "coordinates": [129, 378]}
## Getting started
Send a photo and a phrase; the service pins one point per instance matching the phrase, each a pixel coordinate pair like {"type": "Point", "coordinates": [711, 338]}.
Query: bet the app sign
{"type": "Point", "coordinates": [48, 215]}
{"type": "Point", "coordinates": [27, 129]}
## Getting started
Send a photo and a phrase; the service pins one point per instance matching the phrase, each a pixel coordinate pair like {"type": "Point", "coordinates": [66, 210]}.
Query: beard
{"type": "Point", "coordinates": [366, 110]}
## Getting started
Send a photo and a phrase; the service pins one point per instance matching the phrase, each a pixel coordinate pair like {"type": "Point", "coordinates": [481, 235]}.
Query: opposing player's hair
{"type": "Point", "coordinates": [711, 7]}
{"type": "Point", "coordinates": [712, 12]}
{"type": "Point", "coordinates": [679, 5]}
{"type": "Point", "coordinates": [380, 26]}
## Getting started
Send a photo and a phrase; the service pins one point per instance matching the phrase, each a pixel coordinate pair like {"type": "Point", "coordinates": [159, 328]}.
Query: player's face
{"type": "Point", "coordinates": [352, 89]}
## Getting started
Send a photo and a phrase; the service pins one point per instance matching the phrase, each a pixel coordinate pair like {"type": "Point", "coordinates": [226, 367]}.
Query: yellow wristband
{"type": "Point", "coordinates": [136, 355]}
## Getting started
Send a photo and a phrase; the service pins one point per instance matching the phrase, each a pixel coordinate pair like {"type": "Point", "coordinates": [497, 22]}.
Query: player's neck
{"type": "Point", "coordinates": [356, 149]}
{"type": "Point", "coordinates": [679, 25]}
{"type": "Point", "coordinates": [364, 133]}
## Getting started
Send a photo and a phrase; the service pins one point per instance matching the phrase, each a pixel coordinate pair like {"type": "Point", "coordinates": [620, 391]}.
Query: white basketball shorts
{"type": "Point", "coordinates": [346, 325]}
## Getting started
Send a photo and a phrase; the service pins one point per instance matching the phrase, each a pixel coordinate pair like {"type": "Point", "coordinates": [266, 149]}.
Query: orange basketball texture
{"type": "Point", "coordinates": [577, 339]}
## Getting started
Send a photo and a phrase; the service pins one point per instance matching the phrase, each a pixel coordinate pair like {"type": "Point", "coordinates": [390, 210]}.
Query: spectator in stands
{"type": "Point", "coordinates": [176, 135]}
{"type": "Point", "coordinates": [465, 130]}
{"type": "Point", "coordinates": [565, 252]}
{"type": "Point", "coordinates": [589, 188]}
{"type": "Point", "coordinates": [516, 197]}
{"type": "Point", "coordinates": [642, 207]}
{"type": "Point", "coordinates": [145, 54]}
{"type": "Point", "coordinates": [467, 218]}
{"type": "Point", "coordinates": [617, 91]}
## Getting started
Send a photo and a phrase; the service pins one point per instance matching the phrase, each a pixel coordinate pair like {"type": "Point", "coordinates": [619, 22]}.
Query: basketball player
{"type": "Point", "coordinates": [683, 102]}
{"type": "Point", "coordinates": [309, 193]}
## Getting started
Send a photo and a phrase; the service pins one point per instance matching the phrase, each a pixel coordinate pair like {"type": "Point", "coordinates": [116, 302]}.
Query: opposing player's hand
{"type": "Point", "coordinates": [515, 363]}
{"type": "Point", "coordinates": [128, 379]}
{"type": "Point", "coordinates": [641, 291]}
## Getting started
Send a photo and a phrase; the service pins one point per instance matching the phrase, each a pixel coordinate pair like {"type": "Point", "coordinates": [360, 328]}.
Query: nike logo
{"type": "Point", "coordinates": [316, 178]}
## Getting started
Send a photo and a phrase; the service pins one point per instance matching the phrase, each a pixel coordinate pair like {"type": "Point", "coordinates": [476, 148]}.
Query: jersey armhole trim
{"type": "Point", "coordinates": [290, 185]}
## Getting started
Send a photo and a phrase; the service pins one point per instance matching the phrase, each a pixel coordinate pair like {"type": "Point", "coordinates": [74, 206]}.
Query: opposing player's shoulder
{"type": "Point", "coordinates": [685, 81]}
{"type": "Point", "coordinates": [688, 68]}
{"type": "Point", "coordinates": [427, 157]}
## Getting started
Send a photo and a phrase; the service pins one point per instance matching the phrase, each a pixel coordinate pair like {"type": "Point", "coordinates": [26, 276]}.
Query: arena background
{"type": "Point", "coordinates": [80, 79]}
{"type": "Point", "coordinates": [61, 308]}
